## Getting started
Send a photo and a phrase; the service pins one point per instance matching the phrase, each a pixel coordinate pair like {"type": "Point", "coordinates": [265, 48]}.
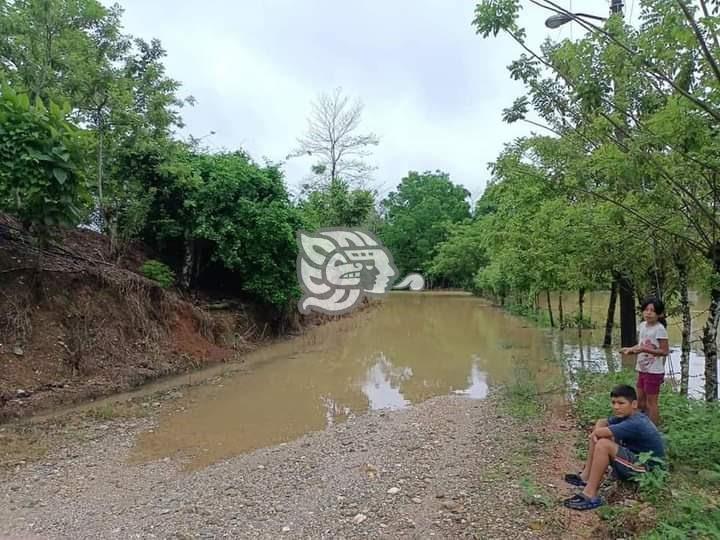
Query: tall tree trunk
{"type": "Point", "coordinates": [628, 324]}
{"type": "Point", "coordinates": [101, 201]}
{"type": "Point", "coordinates": [112, 225]}
{"type": "Point", "coordinates": [188, 260]}
{"type": "Point", "coordinates": [683, 272]}
{"type": "Point", "coordinates": [560, 311]}
{"type": "Point", "coordinates": [610, 320]}
{"type": "Point", "coordinates": [581, 303]}
{"type": "Point", "coordinates": [549, 307]}
{"type": "Point", "coordinates": [709, 338]}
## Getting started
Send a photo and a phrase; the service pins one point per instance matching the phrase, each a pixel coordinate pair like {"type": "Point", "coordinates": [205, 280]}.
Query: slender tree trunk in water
{"type": "Point", "coordinates": [683, 271]}
{"type": "Point", "coordinates": [710, 334]}
{"type": "Point", "coordinates": [581, 302]}
{"type": "Point", "coordinates": [610, 321]}
{"type": "Point", "coordinates": [560, 311]}
{"type": "Point", "coordinates": [549, 306]}
{"type": "Point", "coordinates": [628, 324]}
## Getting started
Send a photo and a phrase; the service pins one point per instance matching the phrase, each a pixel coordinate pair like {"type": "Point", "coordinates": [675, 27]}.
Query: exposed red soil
{"type": "Point", "coordinates": [74, 326]}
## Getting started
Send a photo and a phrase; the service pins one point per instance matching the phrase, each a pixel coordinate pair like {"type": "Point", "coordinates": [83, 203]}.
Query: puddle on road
{"type": "Point", "coordinates": [412, 347]}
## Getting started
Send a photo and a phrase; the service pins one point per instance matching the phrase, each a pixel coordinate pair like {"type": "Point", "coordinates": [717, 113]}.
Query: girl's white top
{"type": "Point", "coordinates": [649, 337]}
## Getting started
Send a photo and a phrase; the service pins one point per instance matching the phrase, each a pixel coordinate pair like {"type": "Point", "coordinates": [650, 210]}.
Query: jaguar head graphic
{"type": "Point", "coordinates": [338, 267]}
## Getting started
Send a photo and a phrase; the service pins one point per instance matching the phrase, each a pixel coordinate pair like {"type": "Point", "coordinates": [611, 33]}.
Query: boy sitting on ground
{"type": "Point", "coordinates": [617, 441]}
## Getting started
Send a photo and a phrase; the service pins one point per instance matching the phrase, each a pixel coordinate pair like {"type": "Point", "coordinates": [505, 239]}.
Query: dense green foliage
{"type": "Point", "coordinates": [197, 210]}
{"type": "Point", "coordinates": [244, 211]}
{"type": "Point", "coordinates": [338, 205]}
{"type": "Point", "coordinates": [41, 180]}
{"type": "Point", "coordinates": [418, 217]}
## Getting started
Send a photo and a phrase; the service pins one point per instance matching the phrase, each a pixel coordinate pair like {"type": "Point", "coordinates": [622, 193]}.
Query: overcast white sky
{"type": "Point", "coordinates": [433, 90]}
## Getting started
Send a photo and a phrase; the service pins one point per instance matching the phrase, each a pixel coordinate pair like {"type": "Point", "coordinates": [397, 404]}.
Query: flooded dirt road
{"type": "Point", "coordinates": [381, 425]}
{"type": "Point", "coordinates": [411, 348]}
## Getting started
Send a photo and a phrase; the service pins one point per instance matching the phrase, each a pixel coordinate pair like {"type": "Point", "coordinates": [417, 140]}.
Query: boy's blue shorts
{"type": "Point", "coordinates": [626, 464]}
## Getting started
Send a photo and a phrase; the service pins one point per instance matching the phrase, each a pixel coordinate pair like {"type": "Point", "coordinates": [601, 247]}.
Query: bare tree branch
{"type": "Point", "coordinates": [331, 137]}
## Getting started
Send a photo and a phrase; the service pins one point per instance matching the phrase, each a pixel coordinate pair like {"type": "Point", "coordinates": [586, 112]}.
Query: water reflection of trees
{"type": "Point", "coordinates": [579, 353]}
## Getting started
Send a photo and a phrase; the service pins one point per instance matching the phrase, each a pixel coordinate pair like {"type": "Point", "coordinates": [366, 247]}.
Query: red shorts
{"type": "Point", "coordinates": [650, 382]}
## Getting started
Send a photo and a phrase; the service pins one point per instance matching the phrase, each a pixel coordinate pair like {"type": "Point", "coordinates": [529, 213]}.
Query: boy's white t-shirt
{"type": "Point", "coordinates": [649, 337]}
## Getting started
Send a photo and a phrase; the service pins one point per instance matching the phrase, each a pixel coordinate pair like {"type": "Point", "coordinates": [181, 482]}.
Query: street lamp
{"type": "Point", "coordinates": [557, 20]}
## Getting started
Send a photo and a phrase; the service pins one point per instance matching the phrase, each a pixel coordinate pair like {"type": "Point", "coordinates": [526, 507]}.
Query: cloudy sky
{"type": "Point", "coordinates": [433, 90]}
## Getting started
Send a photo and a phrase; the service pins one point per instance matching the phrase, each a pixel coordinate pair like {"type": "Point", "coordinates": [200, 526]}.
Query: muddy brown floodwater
{"type": "Point", "coordinates": [412, 347]}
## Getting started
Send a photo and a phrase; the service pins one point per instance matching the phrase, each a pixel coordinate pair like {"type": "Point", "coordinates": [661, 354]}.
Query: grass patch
{"type": "Point", "coordinates": [534, 495]}
{"type": "Point", "coordinates": [522, 400]}
{"type": "Point", "coordinates": [524, 396]}
{"type": "Point", "coordinates": [538, 316]}
{"type": "Point", "coordinates": [680, 503]}
{"type": "Point", "coordinates": [117, 411]}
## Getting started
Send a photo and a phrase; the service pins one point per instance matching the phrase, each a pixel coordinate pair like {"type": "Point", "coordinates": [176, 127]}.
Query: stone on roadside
{"type": "Point", "coordinates": [359, 518]}
{"type": "Point", "coordinates": [393, 490]}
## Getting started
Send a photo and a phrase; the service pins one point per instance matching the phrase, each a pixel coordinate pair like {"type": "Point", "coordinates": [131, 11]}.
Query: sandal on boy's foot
{"type": "Point", "coordinates": [583, 502]}
{"type": "Point", "coordinates": [575, 480]}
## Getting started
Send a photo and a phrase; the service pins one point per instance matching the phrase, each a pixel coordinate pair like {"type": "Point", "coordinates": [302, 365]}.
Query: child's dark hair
{"type": "Point", "coordinates": [659, 307]}
{"type": "Point", "coordinates": [624, 391]}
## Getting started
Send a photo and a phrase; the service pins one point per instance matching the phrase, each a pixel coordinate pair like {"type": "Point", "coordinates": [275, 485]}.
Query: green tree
{"type": "Point", "coordinates": [418, 217]}
{"type": "Point", "coordinates": [337, 206]}
{"type": "Point", "coordinates": [41, 175]}
{"type": "Point", "coordinates": [116, 85]}
{"type": "Point", "coordinates": [245, 212]}
{"type": "Point", "coordinates": [642, 105]}
{"type": "Point", "coordinates": [460, 256]}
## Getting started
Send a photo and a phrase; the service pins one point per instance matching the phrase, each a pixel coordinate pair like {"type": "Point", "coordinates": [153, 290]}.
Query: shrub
{"type": "Point", "coordinates": [159, 272]}
{"type": "Point", "coordinates": [40, 179]}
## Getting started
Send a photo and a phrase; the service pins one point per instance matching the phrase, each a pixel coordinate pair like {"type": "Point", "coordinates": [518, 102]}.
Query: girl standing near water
{"type": "Point", "coordinates": [651, 351]}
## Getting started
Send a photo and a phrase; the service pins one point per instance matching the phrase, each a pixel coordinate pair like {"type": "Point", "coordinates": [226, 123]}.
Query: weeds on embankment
{"type": "Point", "coordinates": [685, 500]}
{"type": "Point", "coordinates": [679, 502]}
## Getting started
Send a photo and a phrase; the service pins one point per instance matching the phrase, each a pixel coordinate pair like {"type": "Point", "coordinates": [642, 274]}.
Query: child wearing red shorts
{"type": "Point", "coordinates": [651, 351]}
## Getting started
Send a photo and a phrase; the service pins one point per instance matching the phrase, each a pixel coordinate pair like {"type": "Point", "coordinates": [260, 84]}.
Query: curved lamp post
{"type": "Point", "coordinates": [557, 20]}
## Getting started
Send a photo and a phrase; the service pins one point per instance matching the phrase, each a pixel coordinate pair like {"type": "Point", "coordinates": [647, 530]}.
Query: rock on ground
{"type": "Point", "coordinates": [440, 469]}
